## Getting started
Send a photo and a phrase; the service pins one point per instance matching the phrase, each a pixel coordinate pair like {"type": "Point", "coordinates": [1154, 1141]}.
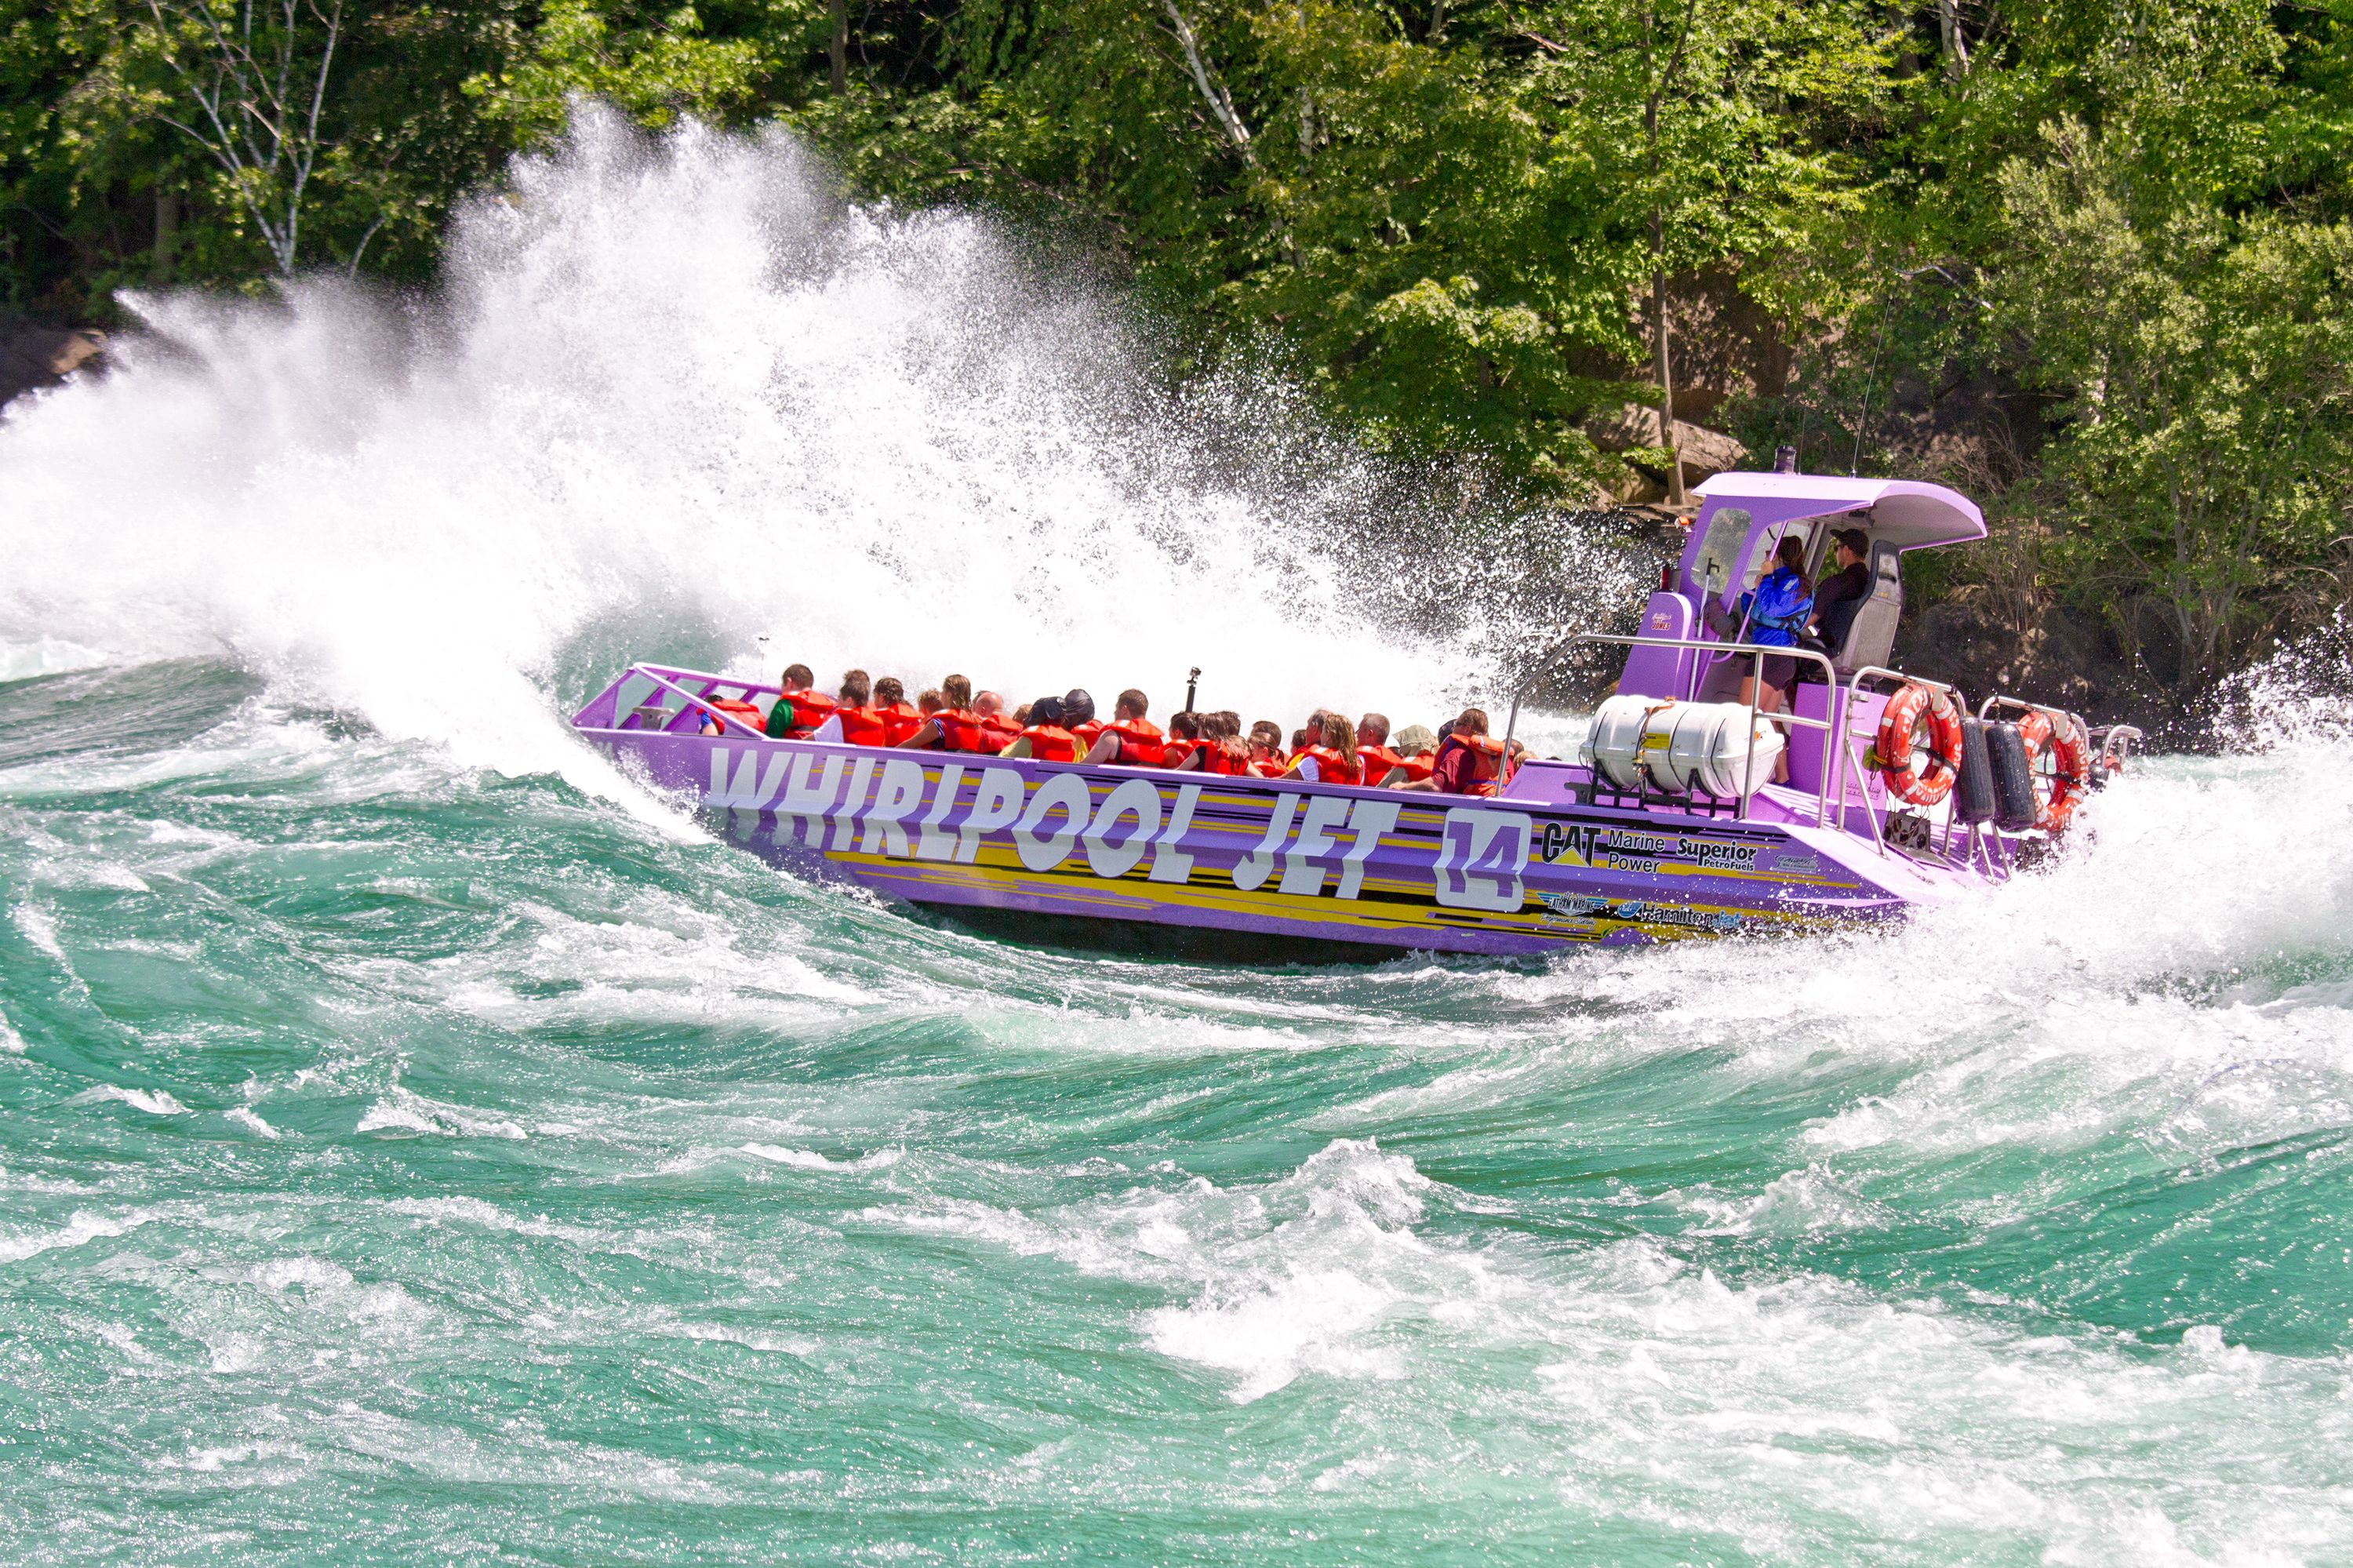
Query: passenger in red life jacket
{"type": "Point", "coordinates": [900, 717]}
{"type": "Point", "coordinates": [1044, 738]}
{"type": "Point", "coordinates": [1233, 757]}
{"type": "Point", "coordinates": [1469, 761]}
{"type": "Point", "coordinates": [1373, 748]}
{"type": "Point", "coordinates": [1331, 758]}
{"type": "Point", "coordinates": [1079, 719]}
{"type": "Point", "coordinates": [1184, 739]}
{"type": "Point", "coordinates": [955, 727]}
{"type": "Point", "coordinates": [1222, 750]}
{"type": "Point", "coordinates": [746, 714]}
{"type": "Point", "coordinates": [853, 720]}
{"type": "Point", "coordinates": [1268, 759]}
{"type": "Point", "coordinates": [801, 709]}
{"type": "Point", "coordinates": [1417, 753]}
{"type": "Point", "coordinates": [1306, 735]}
{"type": "Point", "coordinates": [989, 707]}
{"type": "Point", "coordinates": [1130, 740]}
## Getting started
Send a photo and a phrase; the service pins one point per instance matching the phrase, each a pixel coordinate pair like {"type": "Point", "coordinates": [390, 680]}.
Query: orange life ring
{"type": "Point", "coordinates": [1919, 744]}
{"type": "Point", "coordinates": [2070, 750]}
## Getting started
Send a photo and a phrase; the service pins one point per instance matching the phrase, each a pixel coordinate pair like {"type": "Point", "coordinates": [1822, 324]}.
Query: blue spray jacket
{"type": "Point", "coordinates": [1777, 609]}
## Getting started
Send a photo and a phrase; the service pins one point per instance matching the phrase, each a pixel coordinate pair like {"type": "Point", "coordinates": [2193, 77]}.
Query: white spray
{"type": "Point", "coordinates": [673, 399]}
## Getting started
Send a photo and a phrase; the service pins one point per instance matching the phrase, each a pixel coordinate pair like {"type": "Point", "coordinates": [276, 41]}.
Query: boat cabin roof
{"type": "Point", "coordinates": [1904, 513]}
{"type": "Point", "coordinates": [1743, 517]}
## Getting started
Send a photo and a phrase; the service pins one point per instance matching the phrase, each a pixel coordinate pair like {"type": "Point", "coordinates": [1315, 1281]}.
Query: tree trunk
{"type": "Point", "coordinates": [167, 237]}
{"type": "Point", "coordinates": [1957, 47]}
{"type": "Point", "coordinates": [1220, 102]}
{"type": "Point", "coordinates": [838, 51]}
{"type": "Point", "coordinates": [1666, 368]}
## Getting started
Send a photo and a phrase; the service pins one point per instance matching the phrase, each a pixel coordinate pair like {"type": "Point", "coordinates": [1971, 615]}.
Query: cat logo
{"type": "Point", "coordinates": [1574, 844]}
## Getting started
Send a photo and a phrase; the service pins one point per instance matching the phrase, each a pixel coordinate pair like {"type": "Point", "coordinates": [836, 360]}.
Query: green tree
{"type": "Point", "coordinates": [1721, 132]}
{"type": "Point", "coordinates": [2201, 364]}
{"type": "Point", "coordinates": [653, 68]}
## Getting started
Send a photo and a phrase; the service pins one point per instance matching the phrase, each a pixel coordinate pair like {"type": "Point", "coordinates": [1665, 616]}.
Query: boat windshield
{"type": "Point", "coordinates": [1726, 528]}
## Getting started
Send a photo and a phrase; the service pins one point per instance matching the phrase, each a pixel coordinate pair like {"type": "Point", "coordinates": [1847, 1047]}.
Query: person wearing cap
{"type": "Point", "coordinates": [1417, 753]}
{"type": "Point", "coordinates": [1047, 736]}
{"type": "Point", "coordinates": [1838, 596]}
{"type": "Point", "coordinates": [1079, 718]}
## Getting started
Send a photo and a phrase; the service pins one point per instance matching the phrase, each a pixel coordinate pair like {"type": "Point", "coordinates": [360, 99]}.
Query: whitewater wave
{"type": "Point", "coordinates": [1778, 1413]}
{"type": "Point", "coordinates": [674, 399]}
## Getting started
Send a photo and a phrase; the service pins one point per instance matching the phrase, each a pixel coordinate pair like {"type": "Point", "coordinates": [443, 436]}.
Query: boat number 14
{"type": "Point", "coordinates": [1480, 853]}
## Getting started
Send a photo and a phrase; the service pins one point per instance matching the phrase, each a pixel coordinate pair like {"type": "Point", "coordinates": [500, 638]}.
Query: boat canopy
{"type": "Point", "coordinates": [1904, 512]}
{"type": "Point", "coordinates": [1744, 517]}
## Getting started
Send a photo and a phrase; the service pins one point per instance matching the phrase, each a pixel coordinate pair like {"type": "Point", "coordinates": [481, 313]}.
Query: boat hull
{"type": "Point", "coordinates": [1351, 872]}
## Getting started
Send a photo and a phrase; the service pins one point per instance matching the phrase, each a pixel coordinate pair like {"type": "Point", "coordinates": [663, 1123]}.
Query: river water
{"type": "Point", "coordinates": [417, 1144]}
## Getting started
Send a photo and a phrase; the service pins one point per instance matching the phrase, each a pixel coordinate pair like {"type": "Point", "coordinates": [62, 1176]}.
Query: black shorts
{"type": "Point", "coordinates": [1780, 669]}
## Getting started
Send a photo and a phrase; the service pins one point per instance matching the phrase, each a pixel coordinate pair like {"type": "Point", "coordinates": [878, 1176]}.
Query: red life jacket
{"type": "Point", "coordinates": [1331, 767]}
{"type": "Point", "coordinates": [963, 730]}
{"type": "Point", "coordinates": [810, 709]}
{"type": "Point", "coordinates": [1141, 744]}
{"type": "Point", "coordinates": [1229, 758]}
{"type": "Point", "coordinates": [744, 711]}
{"type": "Point", "coordinates": [1377, 761]}
{"type": "Point", "coordinates": [1175, 751]}
{"type": "Point", "coordinates": [900, 720]}
{"type": "Point", "coordinates": [997, 732]}
{"type": "Point", "coordinates": [1271, 767]}
{"type": "Point", "coordinates": [1089, 733]}
{"type": "Point", "coordinates": [1416, 766]}
{"type": "Point", "coordinates": [1486, 761]}
{"type": "Point", "coordinates": [1052, 743]}
{"type": "Point", "coordinates": [861, 726]}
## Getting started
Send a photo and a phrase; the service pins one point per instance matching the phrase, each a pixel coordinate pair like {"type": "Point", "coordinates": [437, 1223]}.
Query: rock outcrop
{"type": "Point", "coordinates": [2060, 656]}
{"type": "Point", "coordinates": [1634, 430]}
{"type": "Point", "coordinates": [35, 356]}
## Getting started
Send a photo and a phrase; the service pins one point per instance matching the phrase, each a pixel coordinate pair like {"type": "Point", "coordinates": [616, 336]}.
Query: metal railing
{"type": "Point", "coordinates": [2117, 742]}
{"type": "Point", "coordinates": [1839, 737]}
{"type": "Point", "coordinates": [1758, 651]}
{"type": "Point", "coordinates": [1846, 751]}
{"type": "Point", "coordinates": [2057, 716]}
{"type": "Point", "coordinates": [666, 679]}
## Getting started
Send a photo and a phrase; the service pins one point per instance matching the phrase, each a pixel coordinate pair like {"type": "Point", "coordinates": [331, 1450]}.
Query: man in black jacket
{"type": "Point", "coordinates": [1838, 595]}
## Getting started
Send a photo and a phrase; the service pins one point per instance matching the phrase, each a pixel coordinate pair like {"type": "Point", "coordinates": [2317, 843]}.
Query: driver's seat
{"type": "Point", "coordinates": [1871, 635]}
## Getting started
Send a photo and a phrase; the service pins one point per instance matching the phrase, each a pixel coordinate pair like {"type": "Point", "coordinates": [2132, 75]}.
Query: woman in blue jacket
{"type": "Point", "coordinates": [1775, 613]}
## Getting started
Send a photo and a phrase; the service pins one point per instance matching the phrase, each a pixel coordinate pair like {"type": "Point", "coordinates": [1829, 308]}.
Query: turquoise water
{"type": "Point", "coordinates": [418, 1143]}
{"type": "Point", "coordinates": [404, 1162]}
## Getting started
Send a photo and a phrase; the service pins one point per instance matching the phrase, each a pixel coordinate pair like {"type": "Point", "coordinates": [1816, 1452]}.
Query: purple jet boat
{"type": "Point", "coordinates": [1687, 812]}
